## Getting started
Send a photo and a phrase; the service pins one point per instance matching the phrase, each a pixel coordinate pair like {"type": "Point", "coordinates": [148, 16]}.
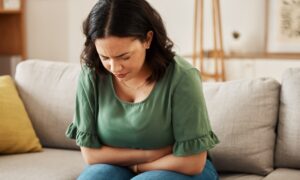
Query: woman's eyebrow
{"type": "Point", "coordinates": [117, 56]}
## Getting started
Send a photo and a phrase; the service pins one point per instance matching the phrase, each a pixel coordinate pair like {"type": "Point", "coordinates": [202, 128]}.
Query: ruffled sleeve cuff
{"type": "Point", "coordinates": [83, 139]}
{"type": "Point", "coordinates": [194, 146]}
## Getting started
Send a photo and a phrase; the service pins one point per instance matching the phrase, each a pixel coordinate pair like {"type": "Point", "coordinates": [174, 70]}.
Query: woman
{"type": "Point", "coordinates": [140, 111]}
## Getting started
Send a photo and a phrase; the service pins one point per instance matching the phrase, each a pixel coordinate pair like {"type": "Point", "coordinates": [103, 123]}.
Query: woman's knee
{"type": "Point", "coordinates": [105, 172]}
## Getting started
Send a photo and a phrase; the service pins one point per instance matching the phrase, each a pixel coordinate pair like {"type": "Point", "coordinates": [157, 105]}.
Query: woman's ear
{"type": "Point", "coordinates": [148, 39]}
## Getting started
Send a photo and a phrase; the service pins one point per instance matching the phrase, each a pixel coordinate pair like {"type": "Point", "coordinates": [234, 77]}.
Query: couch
{"type": "Point", "coordinates": [256, 120]}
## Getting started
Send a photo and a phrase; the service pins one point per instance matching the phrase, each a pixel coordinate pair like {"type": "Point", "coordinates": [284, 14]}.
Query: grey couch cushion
{"type": "Point", "coordinates": [243, 114]}
{"type": "Point", "coordinates": [284, 174]}
{"type": "Point", "coordinates": [240, 177]}
{"type": "Point", "coordinates": [288, 140]}
{"type": "Point", "coordinates": [47, 165]}
{"type": "Point", "coordinates": [48, 92]}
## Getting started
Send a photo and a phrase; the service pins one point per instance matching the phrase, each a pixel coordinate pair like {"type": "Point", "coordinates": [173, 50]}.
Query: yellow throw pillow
{"type": "Point", "coordinates": [16, 131]}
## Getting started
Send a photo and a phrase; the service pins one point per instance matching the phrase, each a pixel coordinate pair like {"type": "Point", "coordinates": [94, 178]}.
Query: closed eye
{"type": "Point", "coordinates": [125, 58]}
{"type": "Point", "coordinates": [104, 58]}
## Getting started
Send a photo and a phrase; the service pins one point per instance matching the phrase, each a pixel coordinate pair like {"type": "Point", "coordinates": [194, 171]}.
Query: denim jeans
{"type": "Point", "coordinates": [113, 172]}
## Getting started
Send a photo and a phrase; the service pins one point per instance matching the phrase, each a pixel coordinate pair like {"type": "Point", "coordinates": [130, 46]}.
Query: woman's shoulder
{"type": "Point", "coordinates": [85, 71]}
{"type": "Point", "coordinates": [182, 63]}
{"type": "Point", "coordinates": [88, 76]}
{"type": "Point", "coordinates": [183, 69]}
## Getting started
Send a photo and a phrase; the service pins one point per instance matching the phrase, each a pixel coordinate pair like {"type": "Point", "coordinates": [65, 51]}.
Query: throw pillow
{"type": "Point", "coordinates": [243, 114]}
{"type": "Point", "coordinates": [16, 131]}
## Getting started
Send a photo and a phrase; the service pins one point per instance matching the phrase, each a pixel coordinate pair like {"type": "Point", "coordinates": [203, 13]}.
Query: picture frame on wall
{"type": "Point", "coordinates": [11, 4]}
{"type": "Point", "coordinates": [282, 32]}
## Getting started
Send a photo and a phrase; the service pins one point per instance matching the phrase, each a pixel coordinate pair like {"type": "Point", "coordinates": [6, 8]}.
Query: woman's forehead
{"type": "Point", "coordinates": [114, 46]}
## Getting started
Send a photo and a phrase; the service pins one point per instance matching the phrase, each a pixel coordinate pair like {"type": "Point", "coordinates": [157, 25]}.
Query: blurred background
{"type": "Point", "coordinates": [52, 30]}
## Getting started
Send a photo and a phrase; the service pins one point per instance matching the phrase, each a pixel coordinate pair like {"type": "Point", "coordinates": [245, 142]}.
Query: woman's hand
{"type": "Point", "coordinates": [134, 168]}
{"type": "Point", "coordinates": [154, 154]}
{"type": "Point", "coordinates": [189, 165]}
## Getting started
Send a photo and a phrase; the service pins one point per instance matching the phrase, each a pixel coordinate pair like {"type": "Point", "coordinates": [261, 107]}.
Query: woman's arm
{"type": "Point", "coordinates": [122, 156]}
{"type": "Point", "coordinates": [189, 165]}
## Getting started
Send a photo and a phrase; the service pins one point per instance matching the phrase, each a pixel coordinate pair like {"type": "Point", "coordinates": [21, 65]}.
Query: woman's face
{"type": "Point", "coordinates": [123, 57]}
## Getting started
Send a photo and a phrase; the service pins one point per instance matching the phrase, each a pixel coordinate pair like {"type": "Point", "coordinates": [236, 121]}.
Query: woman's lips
{"type": "Point", "coordinates": [120, 75]}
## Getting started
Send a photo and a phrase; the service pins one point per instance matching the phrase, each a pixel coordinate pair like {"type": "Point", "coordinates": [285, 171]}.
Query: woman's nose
{"type": "Point", "coordinates": [115, 66]}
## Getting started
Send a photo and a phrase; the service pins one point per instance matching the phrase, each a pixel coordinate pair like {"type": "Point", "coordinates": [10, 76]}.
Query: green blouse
{"type": "Point", "coordinates": [173, 114]}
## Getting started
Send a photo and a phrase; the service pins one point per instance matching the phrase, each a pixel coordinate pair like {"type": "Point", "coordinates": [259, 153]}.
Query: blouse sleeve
{"type": "Point", "coordinates": [83, 127]}
{"type": "Point", "coordinates": [191, 126]}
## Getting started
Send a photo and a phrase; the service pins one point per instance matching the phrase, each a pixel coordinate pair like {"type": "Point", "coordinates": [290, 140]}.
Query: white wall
{"type": "Point", "coordinates": [249, 68]}
{"type": "Point", "coordinates": [78, 11]}
{"type": "Point", "coordinates": [244, 16]}
{"type": "Point", "coordinates": [47, 29]}
{"type": "Point", "coordinates": [54, 31]}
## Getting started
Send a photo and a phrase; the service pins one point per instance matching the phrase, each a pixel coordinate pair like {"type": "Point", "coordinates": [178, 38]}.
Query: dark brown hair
{"type": "Point", "coordinates": [127, 18]}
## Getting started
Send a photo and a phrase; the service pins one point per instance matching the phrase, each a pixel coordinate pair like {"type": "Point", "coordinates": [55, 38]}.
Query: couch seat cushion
{"type": "Point", "coordinates": [240, 177]}
{"type": "Point", "coordinates": [284, 174]}
{"type": "Point", "coordinates": [243, 114]}
{"type": "Point", "coordinates": [288, 140]}
{"type": "Point", "coordinates": [49, 164]}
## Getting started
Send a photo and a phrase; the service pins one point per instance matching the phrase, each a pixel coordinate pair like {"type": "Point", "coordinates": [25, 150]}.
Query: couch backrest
{"type": "Point", "coordinates": [48, 92]}
{"type": "Point", "coordinates": [243, 114]}
{"type": "Point", "coordinates": [288, 140]}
